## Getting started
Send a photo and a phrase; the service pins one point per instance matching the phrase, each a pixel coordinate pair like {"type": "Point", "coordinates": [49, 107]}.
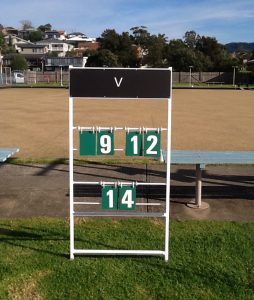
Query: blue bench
{"type": "Point", "coordinates": [203, 158]}
{"type": "Point", "coordinates": [5, 153]}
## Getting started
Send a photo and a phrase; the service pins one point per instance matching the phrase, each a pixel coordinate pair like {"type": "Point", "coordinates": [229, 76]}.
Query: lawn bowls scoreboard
{"type": "Point", "coordinates": [118, 198]}
{"type": "Point", "coordinates": [120, 83]}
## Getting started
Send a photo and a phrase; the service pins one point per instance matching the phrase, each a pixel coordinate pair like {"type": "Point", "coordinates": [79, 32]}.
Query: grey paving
{"type": "Point", "coordinates": [42, 190]}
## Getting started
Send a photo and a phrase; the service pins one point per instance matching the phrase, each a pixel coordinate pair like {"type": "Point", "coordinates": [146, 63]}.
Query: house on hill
{"type": "Point", "coordinates": [55, 34]}
{"type": "Point", "coordinates": [56, 46]}
{"type": "Point", "coordinates": [9, 30]}
{"type": "Point", "coordinates": [76, 35]}
{"type": "Point", "coordinates": [81, 42]}
{"type": "Point", "coordinates": [34, 54]}
{"type": "Point", "coordinates": [57, 63]}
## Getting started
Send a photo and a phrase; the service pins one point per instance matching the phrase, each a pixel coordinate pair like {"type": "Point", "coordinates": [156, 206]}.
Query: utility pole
{"type": "Point", "coordinates": [190, 75]}
{"type": "Point", "coordinates": [234, 67]}
{"type": "Point", "coordinates": [1, 63]}
{"type": "Point", "coordinates": [61, 75]}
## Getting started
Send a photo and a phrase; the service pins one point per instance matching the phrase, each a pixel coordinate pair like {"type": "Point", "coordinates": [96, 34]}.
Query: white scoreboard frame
{"type": "Point", "coordinates": [164, 253]}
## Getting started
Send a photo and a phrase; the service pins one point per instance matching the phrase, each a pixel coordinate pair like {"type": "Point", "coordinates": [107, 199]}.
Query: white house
{"type": "Point", "coordinates": [57, 46]}
{"type": "Point", "coordinates": [55, 34]}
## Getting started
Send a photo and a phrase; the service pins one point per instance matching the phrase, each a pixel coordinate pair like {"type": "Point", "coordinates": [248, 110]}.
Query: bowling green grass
{"type": "Point", "coordinates": [208, 260]}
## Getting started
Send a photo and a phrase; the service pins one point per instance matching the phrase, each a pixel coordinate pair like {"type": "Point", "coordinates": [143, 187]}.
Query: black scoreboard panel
{"type": "Point", "coordinates": [120, 83]}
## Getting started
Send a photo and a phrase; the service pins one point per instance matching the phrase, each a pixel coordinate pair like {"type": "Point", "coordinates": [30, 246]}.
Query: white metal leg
{"type": "Point", "coordinates": [71, 177]}
{"type": "Point", "coordinates": [198, 186]}
{"type": "Point", "coordinates": [168, 181]}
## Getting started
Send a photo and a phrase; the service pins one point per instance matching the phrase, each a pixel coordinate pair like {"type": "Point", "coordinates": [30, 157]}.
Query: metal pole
{"type": "Point", "coordinates": [168, 178]}
{"type": "Point", "coordinates": [119, 252]}
{"type": "Point", "coordinates": [1, 64]}
{"type": "Point", "coordinates": [198, 185]}
{"type": "Point", "coordinates": [61, 75]}
{"type": "Point", "coordinates": [119, 183]}
{"type": "Point", "coordinates": [1, 68]}
{"type": "Point", "coordinates": [71, 177]}
{"type": "Point", "coordinates": [234, 67]}
{"type": "Point", "coordinates": [190, 75]}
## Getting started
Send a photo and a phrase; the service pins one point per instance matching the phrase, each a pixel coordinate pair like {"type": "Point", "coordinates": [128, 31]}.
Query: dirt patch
{"type": "Point", "coordinates": [26, 288]}
{"type": "Point", "coordinates": [36, 120]}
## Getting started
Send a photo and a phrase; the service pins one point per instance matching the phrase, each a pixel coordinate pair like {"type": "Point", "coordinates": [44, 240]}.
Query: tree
{"type": "Point", "coordinates": [71, 53]}
{"type": "Point", "coordinates": [19, 62]}
{"type": "Point", "coordinates": [252, 54]}
{"type": "Point", "coordinates": [35, 36]}
{"type": "Point", "coordinates": [102, 58]}
{"type": "Point", "coordinates": [126, 52]}
{"type": "Point", "coordinates": [217, 53]}
{"type": "Point", "coordinates": [191, 38]}
{"type": "Point", "coordinates": [156, 51]}
{"type": "Point", "coordinates": [53, 54]}
{"type": "Point", "coordinates": [181, 57]}
{"type": "Point", "coordinates": [2, 41]}
{"type": "Point", "coordinates": [110, 40]}
{"type": "Point", "coordinates": [6, 47]}
{"type": "Point", "coordinates": [46, 27]}
{"type": "Point", "coordinates": [26, 24]}
{"type": "Point", "coordinates": [121, 46]}
{"type": "Point", "coordinates": [140, 35]}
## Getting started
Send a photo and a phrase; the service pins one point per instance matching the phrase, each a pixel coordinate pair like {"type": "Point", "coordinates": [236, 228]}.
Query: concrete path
{"type": "Point", "coordinates": [42, 190]}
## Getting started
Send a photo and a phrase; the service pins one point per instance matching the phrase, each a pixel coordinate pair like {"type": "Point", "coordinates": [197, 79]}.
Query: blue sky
{"type": "Point", "coordinates": [228, 20]}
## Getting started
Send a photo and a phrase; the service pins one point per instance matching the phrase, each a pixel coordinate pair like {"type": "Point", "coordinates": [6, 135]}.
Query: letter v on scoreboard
{"type": "Point", "coordinates": [118, 82]}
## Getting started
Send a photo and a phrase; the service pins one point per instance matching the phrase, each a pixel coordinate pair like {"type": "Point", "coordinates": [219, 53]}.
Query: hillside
{"type": "Point", "coordinates": [240, 46]}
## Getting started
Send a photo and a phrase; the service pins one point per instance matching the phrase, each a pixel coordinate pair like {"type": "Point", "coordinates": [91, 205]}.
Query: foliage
{"type": "Point", "coordinates": [208, 260]}
{"type": "Point", "coordinates": [26, 24]}
{"type": "Point", "coordinates": [220, 58]}
{"type": "Point", "coordinates": [156, 49]}
{"type": "Point", "coordinates": [2, 42]}
{"type": "Point", "coordinates": [71, 53]}
{"type": "Point", "coordinates": [121, 46]}
{"type": "Point", "coordinates": [35, 36]}
{"type": "Point", "coordinates": [140, 36]}
{"type": "Point", "coordinates": [46, 27]}
{"type": "Point", "coordinates": [53, 54]}
{"type": "Point", "coordinates": [142, 48]}
{"type": "Point", "coordinates": [191, 39]}
{"type": "Point", "coordinates": [110, 40]}
{"type": "Point", "coordinates": [181, 57]}
{"type": "Point", "coordinates": [19, 62]}
{"type": "Point", "coordinates": [102, 58]}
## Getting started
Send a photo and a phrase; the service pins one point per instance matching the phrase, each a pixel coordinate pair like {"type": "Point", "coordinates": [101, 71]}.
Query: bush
{"type": "Point", "coordinates": [19, 62]}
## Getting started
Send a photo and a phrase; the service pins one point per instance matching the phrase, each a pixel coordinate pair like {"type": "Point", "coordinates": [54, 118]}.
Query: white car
{"type": "Point", "coordinates": [18, 77]}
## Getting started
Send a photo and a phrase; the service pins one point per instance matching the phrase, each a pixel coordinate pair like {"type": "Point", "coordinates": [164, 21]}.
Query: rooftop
{"type": "Point", "coordinates": [22, 45]}
{"type": "Point", "coordinates": [50, 41]}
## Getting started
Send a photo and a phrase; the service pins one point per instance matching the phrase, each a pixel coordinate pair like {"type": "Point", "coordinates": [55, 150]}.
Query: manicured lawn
{"type": "Point", "coordinates": [208, 260]}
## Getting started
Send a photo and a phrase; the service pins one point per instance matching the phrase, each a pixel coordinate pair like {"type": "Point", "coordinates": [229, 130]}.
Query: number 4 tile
{"type": "Point", "coordinates": [127, 198]}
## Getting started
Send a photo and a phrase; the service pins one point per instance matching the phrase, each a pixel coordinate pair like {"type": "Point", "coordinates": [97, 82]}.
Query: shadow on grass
{"type": "Point", "coordinates": [21, 238]}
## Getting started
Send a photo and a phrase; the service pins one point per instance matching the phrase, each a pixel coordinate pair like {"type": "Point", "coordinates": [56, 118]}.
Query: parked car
{"type": "Point", "coordinates": [18, 77]}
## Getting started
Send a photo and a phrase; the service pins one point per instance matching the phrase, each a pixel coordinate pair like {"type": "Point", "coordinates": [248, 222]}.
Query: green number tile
{"type": "Point", "coordinates": [87, 143]}
{"type": "Point", "coordinates": [127, 198]}
{"type": "Point", "coordinates": [133, 144]}
{"type": "Point", "coordinates": [152, 143]}
{"type": "Point", "coordinates": [109, 195]}
{"type": "Point", "coordinates": [105, 143]}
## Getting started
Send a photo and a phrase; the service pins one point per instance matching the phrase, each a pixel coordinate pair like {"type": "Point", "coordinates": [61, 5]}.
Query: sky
{"type": "Point", "coordinates": [226, 20]}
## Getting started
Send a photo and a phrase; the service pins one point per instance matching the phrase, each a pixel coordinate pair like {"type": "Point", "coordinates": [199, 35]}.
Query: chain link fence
{"type": "Point", "coordinates": [61, 78]}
